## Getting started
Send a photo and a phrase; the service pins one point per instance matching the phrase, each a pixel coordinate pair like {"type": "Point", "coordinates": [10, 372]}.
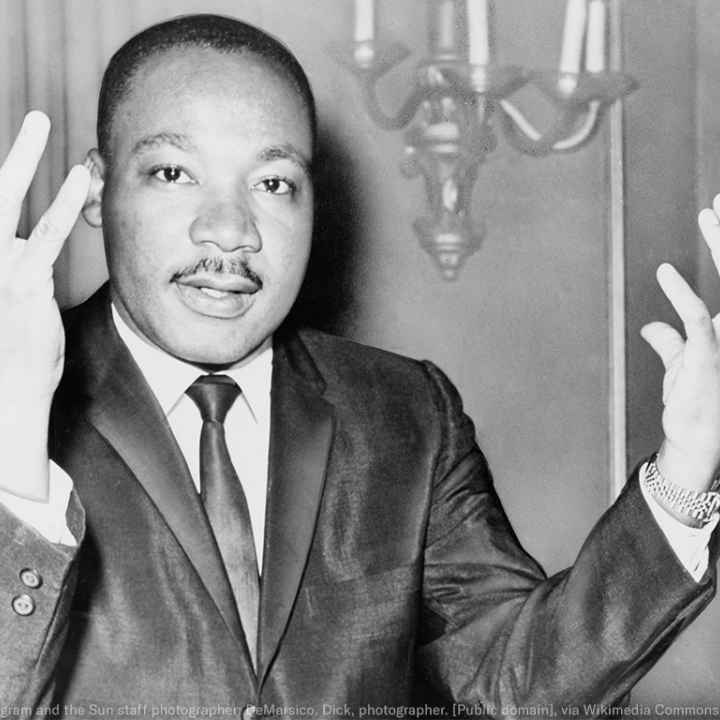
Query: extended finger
{"type": "Point", "coordinates": [689, 307]}
{"type": "Point", "coordinates": [48, 236]}
{"type": "Point", "coordinates": [19, 167]}
{"type": "Point", "coordinates": [665, 340]}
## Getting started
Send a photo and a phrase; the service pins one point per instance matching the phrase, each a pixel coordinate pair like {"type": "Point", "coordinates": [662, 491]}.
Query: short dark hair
{"type": "Point", "coordinates": [217, 32]}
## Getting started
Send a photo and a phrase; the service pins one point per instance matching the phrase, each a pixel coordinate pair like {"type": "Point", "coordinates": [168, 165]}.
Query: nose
{"type": "Point", "coordinates": [229, 224]}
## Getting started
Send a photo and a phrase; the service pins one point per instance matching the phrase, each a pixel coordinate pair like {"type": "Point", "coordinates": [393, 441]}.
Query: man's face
{"type": "Point", "coordinates": [207, 203]}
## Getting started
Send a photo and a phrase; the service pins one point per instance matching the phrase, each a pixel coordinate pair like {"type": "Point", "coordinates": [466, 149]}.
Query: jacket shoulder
{"type": "Point", "coordinates": [353, 369]}
{"type": "Point", "coordinates": [411, 403]}
{"type": "Point", "coordinates": [335, 353]}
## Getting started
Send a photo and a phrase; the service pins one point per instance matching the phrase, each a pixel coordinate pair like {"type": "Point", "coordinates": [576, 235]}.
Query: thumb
{"type": "Point", "coordinates": [665, 340]}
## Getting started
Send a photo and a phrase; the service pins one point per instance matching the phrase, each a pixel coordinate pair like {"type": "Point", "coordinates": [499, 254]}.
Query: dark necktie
{"type": "Point", "coordinates": [225, 502]}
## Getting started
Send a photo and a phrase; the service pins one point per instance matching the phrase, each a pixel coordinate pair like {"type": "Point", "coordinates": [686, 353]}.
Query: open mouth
{"type": "Point", "coordinates": [220, 295]}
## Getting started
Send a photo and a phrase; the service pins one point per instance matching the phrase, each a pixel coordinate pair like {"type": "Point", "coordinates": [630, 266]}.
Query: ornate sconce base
{"type": "Point", "coordinates": [450, 244]}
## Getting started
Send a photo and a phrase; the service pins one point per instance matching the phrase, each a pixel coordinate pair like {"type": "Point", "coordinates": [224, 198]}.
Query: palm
{"type": "Point", "coordinates": [692, 405]}
{"type": "Point", "coordinates": [32, 342]}
{"type": "Point", "coordinates": [31, 334]}
{"type": "Point", "coordinates": [691, 386]}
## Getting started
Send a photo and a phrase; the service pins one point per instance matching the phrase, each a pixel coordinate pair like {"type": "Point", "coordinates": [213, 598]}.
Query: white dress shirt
{"type": "Point", "coordinates": [247, 430]}
{"type": "Point", "coordinates": [247, 424]}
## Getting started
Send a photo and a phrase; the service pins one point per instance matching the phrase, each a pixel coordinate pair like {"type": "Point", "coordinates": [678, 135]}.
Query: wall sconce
{"type": "Point", "coordinates": [459, 88]}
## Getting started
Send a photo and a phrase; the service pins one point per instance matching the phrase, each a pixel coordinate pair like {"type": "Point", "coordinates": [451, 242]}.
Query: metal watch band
{"type": "Point", "coordinates": [700, 506]}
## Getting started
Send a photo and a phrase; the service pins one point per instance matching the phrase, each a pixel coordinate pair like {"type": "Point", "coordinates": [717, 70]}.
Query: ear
{"type": "Point", "coordinates": [92, 210]}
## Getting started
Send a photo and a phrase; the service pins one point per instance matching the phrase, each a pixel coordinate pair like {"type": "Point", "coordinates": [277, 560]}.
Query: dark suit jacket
{"type": "Point", "coordinates": [390, 568]}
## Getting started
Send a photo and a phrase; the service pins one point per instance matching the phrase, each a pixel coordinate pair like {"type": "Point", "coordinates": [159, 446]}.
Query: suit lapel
{"type": "Point", "coordinates": [121, 406]}
{"type": "Point", "coordinates": [300, 439]}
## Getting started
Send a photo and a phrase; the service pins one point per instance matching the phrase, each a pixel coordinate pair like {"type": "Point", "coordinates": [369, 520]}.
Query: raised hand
{"type": "Point", "coordinates": [690, 453]}
{"type": "Point", "coordinates": [31, 334]}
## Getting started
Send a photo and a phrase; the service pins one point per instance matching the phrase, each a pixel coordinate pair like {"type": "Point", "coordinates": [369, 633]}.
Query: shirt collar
{"type": "Point", "coordinates": [169, 377]}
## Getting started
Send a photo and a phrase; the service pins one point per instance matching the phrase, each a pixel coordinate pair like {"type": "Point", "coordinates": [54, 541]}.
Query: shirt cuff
{"type": "Point", "coordinates": [689, 544]}
{"type": "Point", "coordinates": [47, 517]}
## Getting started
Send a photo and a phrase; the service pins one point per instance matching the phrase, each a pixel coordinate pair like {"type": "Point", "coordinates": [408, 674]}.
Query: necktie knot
{"type": "Point", "coordinates": [214, 396]}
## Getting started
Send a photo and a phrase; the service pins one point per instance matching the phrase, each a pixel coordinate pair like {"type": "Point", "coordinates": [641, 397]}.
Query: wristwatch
{"type": "Point", "coordinates": [699, 506]}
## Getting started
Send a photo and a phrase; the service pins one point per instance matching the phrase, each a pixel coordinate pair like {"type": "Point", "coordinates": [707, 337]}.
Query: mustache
{"type": "Point", "coordinates": [220, 266]}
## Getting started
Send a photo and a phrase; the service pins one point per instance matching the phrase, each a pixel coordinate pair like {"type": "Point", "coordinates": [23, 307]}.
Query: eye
{"type": "Point", "coordinates": [171, 174]}
{"type": "Point", "coordinates": [275, 186]}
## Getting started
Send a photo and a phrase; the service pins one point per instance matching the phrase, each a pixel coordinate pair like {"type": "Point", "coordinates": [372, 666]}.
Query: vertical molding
{"type": "Point", "coordinates": [616, 274]}
{"type": "Point", "coordinates": [707, 91]}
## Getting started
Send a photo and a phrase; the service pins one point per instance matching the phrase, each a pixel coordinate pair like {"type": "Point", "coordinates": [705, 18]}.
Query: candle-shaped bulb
{"type": "Point", "coordinates": [478, 27]}
{"type": "Point", "coordinates": [573, 36]}
{"type": "Point", "coordinates": [364, 32]}
{"type": "Point", "coordinates": [364, 21]}
{"type": "Point", "coordinates": [442, 27]}
{"type": "Point", "coordinates": [595, 49]}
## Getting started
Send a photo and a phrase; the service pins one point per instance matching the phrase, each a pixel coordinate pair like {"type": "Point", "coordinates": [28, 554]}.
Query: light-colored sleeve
{"type": "Point", "coordinates": [48, 517]}
{"type": "Point", "coordinates": [689, 544]}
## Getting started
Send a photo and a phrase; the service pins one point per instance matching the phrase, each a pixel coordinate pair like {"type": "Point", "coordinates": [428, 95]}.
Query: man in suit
{"type": "Point", "coordinates": [237, 517]}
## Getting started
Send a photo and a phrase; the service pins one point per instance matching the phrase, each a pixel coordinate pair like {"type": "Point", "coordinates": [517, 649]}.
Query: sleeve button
{"type": "Point", "coordinates": [23, 605]}
{"type": "Point", "coordinates": [30, 578]}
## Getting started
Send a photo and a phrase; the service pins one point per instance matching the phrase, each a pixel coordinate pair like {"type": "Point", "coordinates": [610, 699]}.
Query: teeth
{"type": "Point", "coordinates": [214, 293]}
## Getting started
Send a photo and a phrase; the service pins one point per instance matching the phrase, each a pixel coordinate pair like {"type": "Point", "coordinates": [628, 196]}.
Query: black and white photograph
{"type": "Point", "coordinates": [359, 359]}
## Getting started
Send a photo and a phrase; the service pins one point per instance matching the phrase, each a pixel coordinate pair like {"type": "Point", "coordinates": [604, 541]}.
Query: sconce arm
{"type": "Point", "coordinates": [379, 60]}
{"type": "Point", "coordinates": [585, 132]}
{"type": "Point", "coordinates": [435, 83]}
{"type": "Point", "coordinates": [573, 128]}
{"type": "Point", "coordinates": [404, 115]}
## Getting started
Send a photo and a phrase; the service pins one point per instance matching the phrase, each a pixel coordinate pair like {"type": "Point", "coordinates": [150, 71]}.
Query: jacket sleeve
{"type": "Point", "coordinates": [37, 581]}
{"type": "Point", "coordinates": [499, 634]}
